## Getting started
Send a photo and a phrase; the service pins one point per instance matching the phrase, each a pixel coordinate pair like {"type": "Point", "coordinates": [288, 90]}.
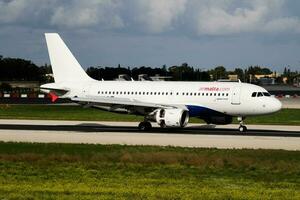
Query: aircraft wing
{"type": "Point", "coordinates": [121, 102]}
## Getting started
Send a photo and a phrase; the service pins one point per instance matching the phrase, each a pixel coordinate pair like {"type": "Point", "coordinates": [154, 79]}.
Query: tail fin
{"type": "Point", "coordinates": [65, 67]}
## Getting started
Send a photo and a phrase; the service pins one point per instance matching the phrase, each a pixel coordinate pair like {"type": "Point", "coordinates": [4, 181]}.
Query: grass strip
{"type": "Point", "coordinates": [58, 112]}
{"type": "Point", "coordinates": [79, 171]}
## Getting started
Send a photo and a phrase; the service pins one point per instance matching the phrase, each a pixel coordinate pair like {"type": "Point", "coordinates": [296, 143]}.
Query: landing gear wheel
{"type": "Point", "coordinates": [145, 126]}
{"type": "Point", "coordinates": [242, 129]}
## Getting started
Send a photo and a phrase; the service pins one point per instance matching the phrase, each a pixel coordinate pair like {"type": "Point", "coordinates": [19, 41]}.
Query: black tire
{"type": "Point", "coordinates": [145, 126]}
{"type": "Point", "coordinates": [149, 126]}
{"type": "Point", "coordinates": [242, 129]}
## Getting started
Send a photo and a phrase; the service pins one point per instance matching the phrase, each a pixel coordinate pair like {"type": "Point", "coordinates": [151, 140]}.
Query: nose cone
{"type": "Point", "coordinates": [277, 105]}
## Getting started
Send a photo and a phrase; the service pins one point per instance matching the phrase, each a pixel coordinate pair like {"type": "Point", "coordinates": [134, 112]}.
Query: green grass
{"type": "Point", "coordinates": [56, 112]}
{"type": "Point", "coordinates": [283, 117]}
{"type": "Point", "coordinates": [77, 171]}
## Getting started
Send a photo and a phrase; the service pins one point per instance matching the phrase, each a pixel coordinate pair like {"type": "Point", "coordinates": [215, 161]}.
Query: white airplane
{"type": "Point", "coordinates": [168, 103]}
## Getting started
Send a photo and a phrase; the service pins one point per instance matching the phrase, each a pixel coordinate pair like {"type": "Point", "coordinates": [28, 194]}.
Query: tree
{"type": "Point", "coordinates": [259, 70]}
{"type": "Point", "coordinates": [218, 73]}
{"type": "Point", "coordinates": [285, 71]}
{"type": "Point", "coordinates": [266, 71]}
{"type": "Point", "coordinates": [240, 73]}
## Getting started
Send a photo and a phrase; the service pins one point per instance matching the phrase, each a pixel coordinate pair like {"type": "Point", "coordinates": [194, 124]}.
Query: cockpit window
{"type": "Point", "coordinates": [259, 94]}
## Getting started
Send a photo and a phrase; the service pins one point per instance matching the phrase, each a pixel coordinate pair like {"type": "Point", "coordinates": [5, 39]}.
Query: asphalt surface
{"type": "Point", "coordinates": [155, 130]}
{"type": "Point", "coordinates": [195, 135]}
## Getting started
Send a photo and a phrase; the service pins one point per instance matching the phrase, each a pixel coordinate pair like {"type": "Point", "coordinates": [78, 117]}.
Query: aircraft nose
{"type": "Point", "coordinates": [277, 105]}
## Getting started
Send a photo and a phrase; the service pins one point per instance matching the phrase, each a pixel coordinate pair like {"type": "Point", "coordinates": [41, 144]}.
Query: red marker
{"type": "Point", "coordinates": [53, 97]}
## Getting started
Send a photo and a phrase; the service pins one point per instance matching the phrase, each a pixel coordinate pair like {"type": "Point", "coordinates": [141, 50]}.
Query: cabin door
{"type": "Point", "coordinates": [236, 96]}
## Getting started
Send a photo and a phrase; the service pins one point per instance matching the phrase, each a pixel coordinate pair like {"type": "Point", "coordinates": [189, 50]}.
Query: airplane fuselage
{"type": "Point", "coordinates": [230, 98]}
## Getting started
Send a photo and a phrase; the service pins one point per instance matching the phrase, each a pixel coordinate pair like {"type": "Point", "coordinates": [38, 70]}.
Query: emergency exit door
{"type": "Point", "coordinates": [236, 96]}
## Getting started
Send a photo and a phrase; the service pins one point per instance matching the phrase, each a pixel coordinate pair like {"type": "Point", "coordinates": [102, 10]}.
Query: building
{"type": "Point", "coordinates": [233, 77]}
{"type": "Point", "coordinates": [23, 86]}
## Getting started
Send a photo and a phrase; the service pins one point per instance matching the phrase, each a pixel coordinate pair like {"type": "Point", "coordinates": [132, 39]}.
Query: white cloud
{"type": "Point", "coordinates": [227, 17]}
{"type": "Point", "coordinates": [159, 15]}
{"type": "Point", "coordinates": [78, 14]}
{"type": "Point", "coordinates": [284, 24]}
{"type": "Point", "coordinates": [217, 20]}
{"type": "Point", "coordinates": [200, 17]}
{"type": "Point", "coordinates": [12, 10]}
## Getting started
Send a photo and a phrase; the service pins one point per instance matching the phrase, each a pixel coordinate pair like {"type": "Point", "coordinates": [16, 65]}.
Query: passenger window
{"type": "Point", "coordinates": [254, 94]}
{"type": "Point", "coordinates": [226, 94]}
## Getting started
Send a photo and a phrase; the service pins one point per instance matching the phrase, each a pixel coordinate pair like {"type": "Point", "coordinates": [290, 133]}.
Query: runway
{"type": "Point", "coordinates": [195, 135]}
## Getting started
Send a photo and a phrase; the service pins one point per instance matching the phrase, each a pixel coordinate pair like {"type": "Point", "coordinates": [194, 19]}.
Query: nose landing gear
{"type": "Point", "coordinates": [242, 127]}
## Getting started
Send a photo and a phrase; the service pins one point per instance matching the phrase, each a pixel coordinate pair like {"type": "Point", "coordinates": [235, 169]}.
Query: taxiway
{"type": "Point", "coordinates": [195, 135]}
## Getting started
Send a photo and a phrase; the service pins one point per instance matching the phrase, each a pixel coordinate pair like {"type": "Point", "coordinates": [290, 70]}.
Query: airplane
{"type": "Point", "coordinates": [170, 104]}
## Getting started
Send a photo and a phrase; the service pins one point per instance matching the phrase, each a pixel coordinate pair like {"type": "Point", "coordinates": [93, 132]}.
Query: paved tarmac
{"type": "Point", "coordinates": [195, 135]}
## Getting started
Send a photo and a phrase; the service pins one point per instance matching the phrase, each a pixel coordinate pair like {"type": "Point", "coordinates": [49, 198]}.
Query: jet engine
{"type": "Point", "coordinates": [171, 117]}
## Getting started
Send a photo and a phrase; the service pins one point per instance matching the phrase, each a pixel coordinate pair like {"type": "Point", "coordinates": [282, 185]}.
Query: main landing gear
{"type": "Point", "coordinates": [145, 126]}
{"type": "Point", "coordinates": [242, 127]}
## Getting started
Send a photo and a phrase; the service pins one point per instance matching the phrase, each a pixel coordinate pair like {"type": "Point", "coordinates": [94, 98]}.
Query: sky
{"type": "Point", "coordinates": [203, 33]}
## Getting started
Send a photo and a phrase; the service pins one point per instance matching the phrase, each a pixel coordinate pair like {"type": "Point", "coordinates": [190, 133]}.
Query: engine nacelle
{"type": "Point", "coordinates": [171, 117]}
